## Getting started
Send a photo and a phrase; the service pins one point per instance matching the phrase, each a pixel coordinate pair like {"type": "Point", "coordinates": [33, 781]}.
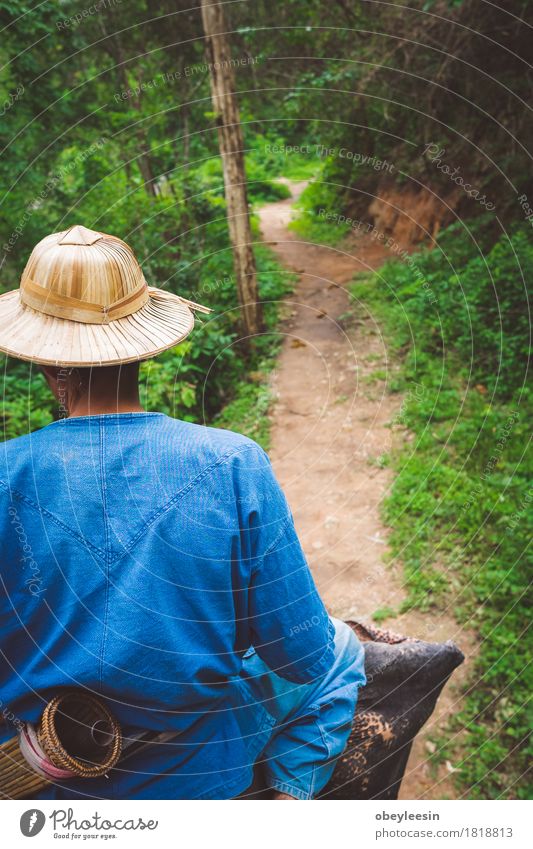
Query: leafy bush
{"type": "Point", "coordinates": [469, 302]}
{"type": "Point", "coordinates": [460, 504]}
{"type": "Point", "coordinates": [261, 188]}
{"type": "Point", "coordinates": [311, 224]}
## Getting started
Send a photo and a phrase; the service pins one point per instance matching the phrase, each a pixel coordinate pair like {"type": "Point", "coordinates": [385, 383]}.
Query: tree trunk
{"type": "Point", "coordinates": [113, 46]}
{"type": "Point", "coordinates": [231, 145]}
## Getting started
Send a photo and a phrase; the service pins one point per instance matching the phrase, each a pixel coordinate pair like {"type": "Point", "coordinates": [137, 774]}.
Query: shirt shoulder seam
{"type": "Point", "coordinates": [160, 511]}
{"type": "Point", "coordinates": [25, 499]}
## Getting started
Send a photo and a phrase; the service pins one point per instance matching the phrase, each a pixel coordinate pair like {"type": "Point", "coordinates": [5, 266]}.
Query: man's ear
{"type": "Point", "coordinates": [50, 375]}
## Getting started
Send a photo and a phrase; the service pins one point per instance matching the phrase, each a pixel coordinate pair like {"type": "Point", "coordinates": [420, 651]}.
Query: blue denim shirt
{"type": "Point", "coordinates": [141, 557]}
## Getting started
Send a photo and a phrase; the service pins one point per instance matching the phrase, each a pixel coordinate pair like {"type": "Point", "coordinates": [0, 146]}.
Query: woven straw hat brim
{"type": "Point", "coordinates": [30, 335]}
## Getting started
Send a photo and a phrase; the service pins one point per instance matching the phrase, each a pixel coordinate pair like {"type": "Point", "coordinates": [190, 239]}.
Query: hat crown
{"type": "Point", "coordinates": [80, 235]}
{"type": "Point", "coordinates": [83, 275]}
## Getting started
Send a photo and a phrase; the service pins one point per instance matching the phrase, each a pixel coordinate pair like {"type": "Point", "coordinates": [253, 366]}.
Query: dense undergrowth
{"type": "Point", "coordinates": [460, 506]}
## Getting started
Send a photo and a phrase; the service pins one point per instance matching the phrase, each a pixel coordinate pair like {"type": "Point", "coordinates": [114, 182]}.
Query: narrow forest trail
{"type": "Point", "coordinates": [329, 428]}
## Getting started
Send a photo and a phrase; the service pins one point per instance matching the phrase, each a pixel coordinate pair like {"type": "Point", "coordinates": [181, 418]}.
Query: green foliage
{"type": "Point", "coordinates": [27, 403]}
{"type": "Point", "coordinates": [277, 158]}
{"type": "Point", "coordinates": [469, 302]}
{"type": "Point", "coordinates": [317, 200]}
{"type": "Point", "coordinates": [248, 412]}
{"type": "Point", "coordinates": [261, 188]}
{"type": "Point", "coordinates": [383, 613]}
{"type": "Point", "coordinates": [460, 505]}
{"type": "Point", "coordinates": [389, 80]}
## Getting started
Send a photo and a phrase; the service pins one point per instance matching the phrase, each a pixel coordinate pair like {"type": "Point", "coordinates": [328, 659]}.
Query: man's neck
{"type": "Point", "coordinates": [95, 391]}
{"type": "Point", "coordinates": [98, 406]}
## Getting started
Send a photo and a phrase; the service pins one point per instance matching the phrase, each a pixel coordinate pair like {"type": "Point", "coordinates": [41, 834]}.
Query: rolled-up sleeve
{"type": "Point", "coordinates": [290, 627]}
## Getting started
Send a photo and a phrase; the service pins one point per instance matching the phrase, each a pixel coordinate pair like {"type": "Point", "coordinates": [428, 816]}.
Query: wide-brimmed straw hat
{"type": "Point", "coordinates": [83, 301]}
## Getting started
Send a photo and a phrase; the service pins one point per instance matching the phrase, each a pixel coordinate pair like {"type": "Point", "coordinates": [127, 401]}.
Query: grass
{"type": "Point", "coordinates": [312, 228]}
{"type": "Point", "coordinates": [458, 510]}
{"type": "Point", "coordinates": [383, 613]}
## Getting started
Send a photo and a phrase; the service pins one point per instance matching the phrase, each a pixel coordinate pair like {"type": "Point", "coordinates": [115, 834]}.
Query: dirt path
{"type": "Point", "coordinates": [329, 429]}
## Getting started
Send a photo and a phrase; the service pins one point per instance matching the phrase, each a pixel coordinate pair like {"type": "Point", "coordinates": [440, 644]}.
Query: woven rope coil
{"type": "Point", "coordinates": [89, 711]}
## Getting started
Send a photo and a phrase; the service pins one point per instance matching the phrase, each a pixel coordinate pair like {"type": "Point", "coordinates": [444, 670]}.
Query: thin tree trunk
{"type": "Point", "coordinates": [113, 46]}
{"type": "Point", "coordinates": [231, 145]}
{"type": "Point", "coordinates": [143, 158]}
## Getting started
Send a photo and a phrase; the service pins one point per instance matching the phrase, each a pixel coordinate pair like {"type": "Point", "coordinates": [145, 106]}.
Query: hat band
{"type": "Point", "coordinates": [43, 300]}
